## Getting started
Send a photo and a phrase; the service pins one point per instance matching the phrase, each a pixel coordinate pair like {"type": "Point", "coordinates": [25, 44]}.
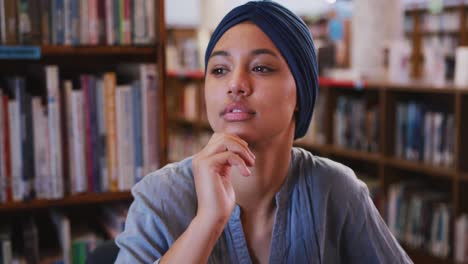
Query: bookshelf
{"type": "Point", "coordinates": [389, 168]}
{"type": "Point", "coordinates": [124, 58]}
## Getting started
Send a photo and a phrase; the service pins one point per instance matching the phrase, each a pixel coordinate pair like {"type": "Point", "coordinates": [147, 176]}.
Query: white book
{"type": "Point", "coordinates": [110, 22]}
{"type": "Point", "coordinates": [62, 224]}
{"type": "Point", "coordinates": [149, 95]}
{"type": "Point", "coordinates": [15, 151]}
{"type": "Point", "coordinates": [67, 22]}
{"type": "Point", "coordinates": [37, 112]}
{"type": "Point", "coordinates": [68, 87]}
{"type": "Point", "coordinates": [428, 131]}
{"type": "Point", "coordinates": [53, 107]}
{"type": "Point", "coordinates": [140, 26]}
{"type": "Point", "coordinates": [461, 67]}
{"type": "Point", "coordinates": [461, 239]}
{"type": "Point", "coordinates": [78, 130]}
{"type": "Point", "coordinates": [150, 18]}
{"type": "Point", "coordinates": [125, 137]}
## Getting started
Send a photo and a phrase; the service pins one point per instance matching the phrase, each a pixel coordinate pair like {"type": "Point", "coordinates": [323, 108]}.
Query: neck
{"type": "Point", "coordinates": [256, 194]}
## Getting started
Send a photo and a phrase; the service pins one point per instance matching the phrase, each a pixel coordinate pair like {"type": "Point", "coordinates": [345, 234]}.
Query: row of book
{"type": "Point", "coordinates": [184, 143]}
{"type": "Point", "coordinates": [68, 244]}
{"type": "Point", "coordinates": [444, 21]}
{"type": "Point", "coordinates": [92, 135]}
{"type": "Point", "coordinates": [422, 134]}
{"type": "Point", "coordinates": [356, 124]}
{"type": "Point", "coordinates": [420, 218]}
{"type": "Point", "coordinates": [77, 22]}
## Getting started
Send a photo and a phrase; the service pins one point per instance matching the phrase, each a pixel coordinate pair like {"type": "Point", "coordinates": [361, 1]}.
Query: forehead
{"type": "Point", "coordinates": [246, 36]}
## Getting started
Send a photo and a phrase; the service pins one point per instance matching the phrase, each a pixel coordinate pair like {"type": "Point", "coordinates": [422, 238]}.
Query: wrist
{"type": "Point", "coordinates": [210, 223]}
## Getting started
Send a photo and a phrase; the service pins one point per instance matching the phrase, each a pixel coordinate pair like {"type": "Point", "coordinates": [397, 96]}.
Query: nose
{"type": "Point", "coordinates": [239, 84]}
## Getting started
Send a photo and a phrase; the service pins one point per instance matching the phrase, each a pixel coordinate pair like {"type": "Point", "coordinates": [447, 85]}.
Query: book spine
{"type": "Point", "coordinates": [36, 112]}
{"type": "Point", "coordinates": [94, 135]}
{"type": "Point", "coordinates": [127, 22]}
{"type": "Point", "coordinates": [110, 36]}
{"type": "Point", "coordinates": [93, 22]}
{"type": "Point", "coordinates": [6, 149]}
{"type": "Point", "coordinates": [45, 21]}
{"type": "Point", "coordinates": [117, 22]}
{"type": "Point", "coordinates": [149, 81]}
{"type": "Point", "coordinates": [24, 26]}
{"type": "Point", "coordinates": [120, 136]}
{"type": "Point", "coordinates": [87, 120]}
{"type": "Point", "coordinates": [28, 174]}
{"type": "Point", "coordinates": [15, 147]}
{"type": "Point", "coordinates": [2, 154]}
{"type": "Point", "coordinates": [136, 93]}
{"type": "Point", "coordinates": [55, 140]}
{"type": "Point", "coordinates": [67, 26]}
{"type": "Point", "coordinates": [11, 22]}
{"type": "Point", "coordinates": [81, 182]}
{"type": "Point", "coordinates": [139, 22]}
{"type": "Point", "coordinates": [68, 87]}
{"type": "Point", "coordinates": [75, 22]}
{"type": "Point", "coordinates": [129, 138]}
{"type": "Point", "coordinates": [112, 143]}
{"type": "Point", "coordinates": [101, 21]}
{"type": "Point", "coordinates": [102, 135]}
{"type": "Point", "coordinates": [2, 22]}
{"type": "Point", "coordinates": [59, 14]}
{"type": "Point", "coordinates": [84, 22]}
{"type": "Point", "coordinates": [150, 22]}
{"type": "Point", "coordinates": [35, 19]}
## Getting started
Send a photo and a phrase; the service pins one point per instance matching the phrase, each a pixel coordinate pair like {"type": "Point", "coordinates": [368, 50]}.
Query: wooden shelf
{"type": "Point", "coordinates": [448, 173]}
{"type": "Point", "coordinates": [464, 177]}
{"type": "Point", "coordinates": [49, 51]}
{"type": "Point", "coordinates": [85, 198]}
{"type": "Point", "coordinates": [420, 256]}
{"type": "Point", "coordinates": [355, 154]}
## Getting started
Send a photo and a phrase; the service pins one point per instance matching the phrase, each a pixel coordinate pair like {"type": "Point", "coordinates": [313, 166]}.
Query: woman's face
{"type": "Point", "coordinates": [249, 89]}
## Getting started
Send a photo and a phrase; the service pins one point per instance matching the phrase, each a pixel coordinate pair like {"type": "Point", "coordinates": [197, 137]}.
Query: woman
{"type": "Point", "coordinates": [249, 196]}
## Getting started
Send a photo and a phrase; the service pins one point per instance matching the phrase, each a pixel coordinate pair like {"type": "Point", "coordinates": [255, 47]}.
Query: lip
{"type": "Point", "coordinates": [242, 112]}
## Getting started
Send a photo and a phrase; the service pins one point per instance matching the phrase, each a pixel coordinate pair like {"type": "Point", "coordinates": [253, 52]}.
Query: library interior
{"type": "Point", "coordinates": [96, 95]}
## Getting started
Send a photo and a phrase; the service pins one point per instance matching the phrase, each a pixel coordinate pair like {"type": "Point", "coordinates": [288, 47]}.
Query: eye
{"type": "Point", "coordinates": [262, 69]}
{"type": "Point", "coordinates": [218, 71]}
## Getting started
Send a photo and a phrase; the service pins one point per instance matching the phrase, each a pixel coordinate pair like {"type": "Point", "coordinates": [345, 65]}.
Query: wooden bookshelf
{"type": "Point", "coordinates": [420, 256]}
{"type": "Point", "coordinates": [78, 199]}
{"type": "Point", "coordinates": [355, 154]}
{"type": "Point", "coordinates": [464, 177]}
{"type": "Point", "coordinates": [442, 171]}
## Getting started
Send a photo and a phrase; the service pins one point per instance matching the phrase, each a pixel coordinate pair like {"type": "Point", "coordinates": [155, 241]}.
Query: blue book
{"type": "Point", "coordinates": [58, 30]}
{"type": "Point", "coordinates": [75, 22]}
{"type": "Point", "coordinates": [96, 171]}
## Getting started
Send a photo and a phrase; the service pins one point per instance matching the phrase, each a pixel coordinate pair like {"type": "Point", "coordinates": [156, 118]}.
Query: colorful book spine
{"type": "Point", "coordinates": [102, 135]}
{"type": "Point", "coordinates": [6, 149]}
{"type": "Point", "coordinates": [88, 140]}
{"type": "Point", "coordinates": [112, 144]}
{"type": "Point", "coordinates": [149, 95]}
{"type": "Point", "coordinates": [136, 94]}
{"type": "Point", "coordinates": [55, 140]}
{"type": "Point", "coordinates": [78, 125]}
{"type": "Point", "coordinates": [110, 34]}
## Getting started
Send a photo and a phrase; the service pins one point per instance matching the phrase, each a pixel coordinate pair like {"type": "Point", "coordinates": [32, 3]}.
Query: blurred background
{"type": "Point", "coordinates": [94, 95]}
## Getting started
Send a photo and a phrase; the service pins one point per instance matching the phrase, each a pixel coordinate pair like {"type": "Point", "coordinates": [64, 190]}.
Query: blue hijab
{"type": "Point", "coordinates": [292, 38]}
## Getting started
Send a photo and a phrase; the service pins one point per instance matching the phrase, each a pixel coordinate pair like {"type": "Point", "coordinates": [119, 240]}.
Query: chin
{"type": "Point", "coordinates": [248, 134]}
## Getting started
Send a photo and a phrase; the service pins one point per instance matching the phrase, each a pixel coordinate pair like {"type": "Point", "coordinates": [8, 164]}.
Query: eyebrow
{"type": "Point", "coordinates": [252, 53]}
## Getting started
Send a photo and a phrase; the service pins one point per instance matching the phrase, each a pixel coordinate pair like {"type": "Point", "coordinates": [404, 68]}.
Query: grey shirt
{"type": "Point", "coordinates": [323, 215]}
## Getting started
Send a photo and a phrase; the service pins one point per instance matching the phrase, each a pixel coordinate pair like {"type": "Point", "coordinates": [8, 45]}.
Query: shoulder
{"type": "Point", "coordinates": [172, 184]}
{"type": "Point", "coordinates": [327, 177]}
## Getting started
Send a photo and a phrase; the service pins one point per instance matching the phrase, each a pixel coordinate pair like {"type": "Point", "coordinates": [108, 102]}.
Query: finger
{"type": "Point", "coordinates": [221, 137]}
{"type": "Point", "coordinates": [235, 147]}
{"type": "Point", "coordinates": [230, 159]}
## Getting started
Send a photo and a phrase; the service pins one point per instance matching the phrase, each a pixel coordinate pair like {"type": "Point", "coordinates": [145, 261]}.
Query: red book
{"type": "Point", "coordinates": [127, 22]}
{"type": "Point", "coordinates": [6, 149]}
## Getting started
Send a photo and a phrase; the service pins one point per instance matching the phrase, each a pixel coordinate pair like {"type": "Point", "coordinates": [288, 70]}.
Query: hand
{"type": "Point", "coordinates": [212, 175]}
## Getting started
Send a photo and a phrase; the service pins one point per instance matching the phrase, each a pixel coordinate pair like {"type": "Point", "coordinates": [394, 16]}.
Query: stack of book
{"type": "Point", "coordinates": [92, 135]}
{"type": "Point", "coordinates": [420, 218]}
{"type": "Point", "coordinates": [424, 135]}
{"type": "Point", "coordinates": [77, 22]}
{"type": "Point", "coordinates": [356, 124]}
